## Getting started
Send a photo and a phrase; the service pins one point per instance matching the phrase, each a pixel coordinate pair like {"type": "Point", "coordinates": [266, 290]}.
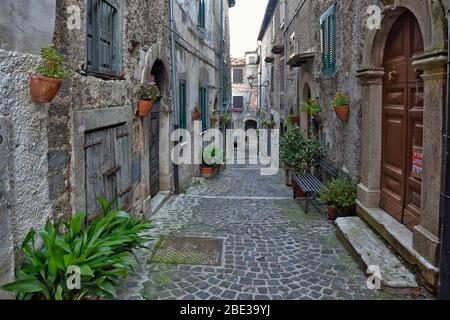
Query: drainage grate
{"type": "Point", "coordinates": [189, 250]}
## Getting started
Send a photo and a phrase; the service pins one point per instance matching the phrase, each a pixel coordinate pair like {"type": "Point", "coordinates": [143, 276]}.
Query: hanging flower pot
{"type": "Point", "coordinates": [342, 112]}
{"type": "Point", "coordinates": [145, 107]}
{"type": "Point", "coordinates": [196, 114]}
{"type": "Point", "coordinates": [43, 89]}
{"type": "Point", "coordinates": [45, 84]}
{"type": "Point", "coordinates": [340, 104]}
{"type": "Point", "coordinates": [149, 94]}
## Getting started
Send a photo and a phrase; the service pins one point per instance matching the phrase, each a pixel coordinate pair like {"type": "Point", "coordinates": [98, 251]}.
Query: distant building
{"type": "Point", "coordinates": [245, 91]}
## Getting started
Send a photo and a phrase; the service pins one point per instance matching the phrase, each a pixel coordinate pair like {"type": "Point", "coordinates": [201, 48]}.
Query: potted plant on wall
{"type": "Point", "coordinates": [214, 118]}
{"type": "Point", "coordinates": [312, 107]}
{"type": "Point", "coordinates": [340, 196]}
{"type": "Point", "coordinates": [212, 160]}
{"type": "Point", "coordinates": [196, 114]}
{"type": "Point", "coordinates": [149, 94]}
{"type": "Point", "coordinates": [225, 119]}
{"type": "Point", "coordinates": [341, 107]}
{"type": "Point", "coordinates": [45, 84]}
{"type": "Point", "coordinates": [268, 123]}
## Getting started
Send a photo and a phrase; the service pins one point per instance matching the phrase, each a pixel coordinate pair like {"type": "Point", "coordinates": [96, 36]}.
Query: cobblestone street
{"type": "Point", "coordinates": [272, 249]}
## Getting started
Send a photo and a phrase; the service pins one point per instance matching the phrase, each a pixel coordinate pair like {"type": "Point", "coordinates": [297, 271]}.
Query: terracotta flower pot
{"type": "Point", "coordinates": [298, 192]}
{"type": "Point", "coordinates": [145, 106]}
{"type": "Point", "coordinates": [295, 120]}
{"type": "Point", "coordinates": [196, 115]}
{"type": "Point", "coordinates": [342, 112]}
{"type": "Point", "coordinates": [288, 173]}
{"type": "Point", "coordinates": [206, 172]}
{"type": "Point", "coordinates": [332, 214]}
{"type": "Point", "coordinates": [43, 89]}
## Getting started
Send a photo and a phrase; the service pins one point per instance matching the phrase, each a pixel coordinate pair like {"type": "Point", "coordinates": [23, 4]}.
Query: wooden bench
{"type": "Point", "coordinates": [309, 185]}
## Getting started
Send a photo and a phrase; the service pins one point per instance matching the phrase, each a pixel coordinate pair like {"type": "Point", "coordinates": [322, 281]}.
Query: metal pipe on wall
{"type": "Point", "coordinates": [176, 119]}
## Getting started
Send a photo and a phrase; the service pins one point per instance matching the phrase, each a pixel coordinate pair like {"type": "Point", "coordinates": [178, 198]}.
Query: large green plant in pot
{"type": "Point", "coordinates": [340, 195]}
{"type": "Point", "coordinates": [98, 255]}
{"type": "Point", "coordinates": [297, 151]}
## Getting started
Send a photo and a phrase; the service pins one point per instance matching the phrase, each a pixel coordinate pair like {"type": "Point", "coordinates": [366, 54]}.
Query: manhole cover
{"type": "Point", "coordinates": [189, 250]}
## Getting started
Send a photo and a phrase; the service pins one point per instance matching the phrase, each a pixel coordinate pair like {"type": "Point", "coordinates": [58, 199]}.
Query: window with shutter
{"type": "Point", "coordinates": [204, 106]}
{"type": "Point", "coordinates": [328, 41]}
{"type": "Point", "coordinates": [201, 13]}
{"type": "Point", "coordinates": [183, 119]}
{"type": "Point", "coordinates": [238, 102]}
{"type": "Point", "coordinates": [238, 76]}
{"type": "Point", "coordinates": [103, 54]}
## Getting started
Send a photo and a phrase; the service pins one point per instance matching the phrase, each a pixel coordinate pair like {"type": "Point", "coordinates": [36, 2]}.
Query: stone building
{"type": "Point", "coordinates": [202, 64]}
{"type": "Point", "coordinates": [57, 157]}
{"type": "Point", "coordinates": [395, 78]}
{"type": "Point", "coordinates": [245, 91]}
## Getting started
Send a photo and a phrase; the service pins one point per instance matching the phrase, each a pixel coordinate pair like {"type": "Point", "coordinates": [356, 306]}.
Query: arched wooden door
{"type": "Point", "coordinates": [402, 140]}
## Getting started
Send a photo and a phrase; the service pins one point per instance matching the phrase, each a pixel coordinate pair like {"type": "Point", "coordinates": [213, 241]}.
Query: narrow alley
{"type": "Point", "coordinates": [272, 250]}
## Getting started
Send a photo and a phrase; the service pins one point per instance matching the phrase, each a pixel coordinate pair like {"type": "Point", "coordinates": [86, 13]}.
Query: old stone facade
{"type": "Point", "coordinates": [200, 50]}
{"type": "Point", "coordinates": [245, 91]}
{"type": "Point", "coordinates": [58, 153]}
{"type": "Point", "coordinates": [406, 209]}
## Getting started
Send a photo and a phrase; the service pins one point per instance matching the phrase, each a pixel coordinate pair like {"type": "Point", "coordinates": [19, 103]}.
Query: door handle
{"type": "Point", "coordinates": [418, 72]}
{"type": "Point", "coordinates": [392, 76]}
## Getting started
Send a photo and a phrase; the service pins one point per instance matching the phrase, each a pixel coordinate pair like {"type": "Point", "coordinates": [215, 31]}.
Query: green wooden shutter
{"type": "Point", "coordinates": [201, 13]}
{"type": "Point", "coordinates": [183, 120]}
{"type": "Point", "coordinates": [328, 28]}
{"type": "Point", "coordinates": [203, 107]}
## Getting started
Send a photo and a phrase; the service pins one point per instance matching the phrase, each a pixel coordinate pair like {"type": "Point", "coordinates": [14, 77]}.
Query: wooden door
{"type": "Point", "coordinates": [108, 173]}
{"type": "Point", "coordinates": [402, 123]}
{"type": "Point", "coordinates": [154, 152]}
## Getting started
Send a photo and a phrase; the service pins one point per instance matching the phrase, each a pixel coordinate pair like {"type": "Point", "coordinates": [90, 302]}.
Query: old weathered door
{"type": "Point", "coordinates": [154, 152]}
{"type": "Point", "coordinates": [402, 123]}
{"type": "Point", "coordinates": [108, 174]}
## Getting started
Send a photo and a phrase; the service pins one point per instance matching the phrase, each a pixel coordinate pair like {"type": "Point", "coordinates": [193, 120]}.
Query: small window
{"type": "Point", "coordinates": [238, 76]}
{"type": "Point", "coordinates": [238, 102]}
{"type": "Point", "coordinates": [201, 13]}
{"type": "Point", "coordinates": [328, 40]}
{"type": "Point", "coordinates": [103, 48]}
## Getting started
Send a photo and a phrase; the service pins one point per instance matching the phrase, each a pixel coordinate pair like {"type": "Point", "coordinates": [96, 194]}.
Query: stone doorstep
{"type": "Point", "coordinates": [401, 239]}
{"type": "Point", "coordinates": [371, 250]}
{"type": "Point", "coordinates": [155, 203]}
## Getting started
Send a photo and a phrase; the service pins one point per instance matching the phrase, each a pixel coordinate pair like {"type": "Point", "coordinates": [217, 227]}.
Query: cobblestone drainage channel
{"type": "Point", "coordinates": [188, 250]}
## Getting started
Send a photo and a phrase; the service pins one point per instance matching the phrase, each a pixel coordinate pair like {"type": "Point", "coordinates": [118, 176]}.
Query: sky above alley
{"type": "Point", "coordinates": [245, 22]}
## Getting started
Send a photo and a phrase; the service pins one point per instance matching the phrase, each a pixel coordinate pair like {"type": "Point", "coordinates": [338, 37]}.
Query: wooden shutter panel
{"type": "Point", "coordinates": [183, 119]}
{"type": "Point", "coordinates": [90, 35]}
{"type": "Point", "coordinates": [121, 138]}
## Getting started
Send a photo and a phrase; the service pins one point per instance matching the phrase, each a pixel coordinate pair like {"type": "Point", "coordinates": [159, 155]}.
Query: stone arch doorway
{"type": "Point", "coordinates": [430, 17]}
{"type": "Point", "coordinates": [155, 162]}
{"type": "Point", "coordinates": [402, 123]}
{"type": "Point", "coordinates": [251, 124]}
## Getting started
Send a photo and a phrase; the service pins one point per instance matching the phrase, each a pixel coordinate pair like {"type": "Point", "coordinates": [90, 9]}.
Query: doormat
{"type": "Point", "coordinates": [189, 250]}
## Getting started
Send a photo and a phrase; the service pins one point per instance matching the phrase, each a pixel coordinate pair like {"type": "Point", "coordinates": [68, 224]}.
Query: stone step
{"type": "Point", "coordinates": [370, 250]}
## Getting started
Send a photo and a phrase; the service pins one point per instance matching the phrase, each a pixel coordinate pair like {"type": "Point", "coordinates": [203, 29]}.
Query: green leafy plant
{"type": "Point", "coordinates": [340, 194]}
{"type": "Point", "coordinates": [340, 99]}
{"type": "Point", "coordinates": [100, 252]}
{"type": "Point", "coordinates": [225, 118]}
{"type": "Point", "coordinates": [215, 118]}
{"type": "Point", "coordinates": [149, 92]}
{"type": "Point", "coordinates": [53, 65]}
{"type": "Point", "coordinates": [312, 107]}
{"type": "Point", "coordinates": [297, 151]}
{"type": "Point", "coordinates": [213, 156]}
{"type": "Point", "coordinates": [268, 123]}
